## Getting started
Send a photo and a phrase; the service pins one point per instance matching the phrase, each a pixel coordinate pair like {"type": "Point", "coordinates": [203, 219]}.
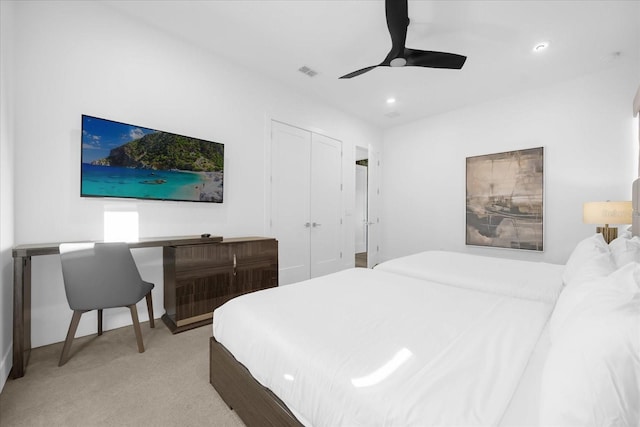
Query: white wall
{"type": "Point", "coordinates": [585, 126]}
{"type": "Point", "coordinates": [76, 58]}
{"type": "Point", "coordinates": [6, 190]}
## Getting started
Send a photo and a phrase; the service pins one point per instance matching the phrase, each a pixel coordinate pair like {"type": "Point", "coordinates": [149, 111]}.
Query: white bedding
{"type": "Point", "coordinates": [370, 347]}
{"type": "Point", "coordinates": [523, 279]}
{"type": "Point", "coordinates": [524, 407]}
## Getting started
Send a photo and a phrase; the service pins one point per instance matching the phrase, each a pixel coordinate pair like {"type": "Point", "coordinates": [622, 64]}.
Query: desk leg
{"type": "Point", "coordinates": [21, 315]}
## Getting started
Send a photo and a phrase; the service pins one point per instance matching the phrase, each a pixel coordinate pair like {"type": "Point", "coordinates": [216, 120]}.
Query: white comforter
{"type": "Point", "coordinates": [371, 348]}
{"type": "Point", "coordinates": [522, 279]}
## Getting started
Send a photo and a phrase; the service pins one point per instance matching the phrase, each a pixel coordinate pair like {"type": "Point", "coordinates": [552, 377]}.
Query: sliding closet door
{"type": "Point", "coordinates": [326, 203]}
{"type": "Point", "coordinates": [290, 193]}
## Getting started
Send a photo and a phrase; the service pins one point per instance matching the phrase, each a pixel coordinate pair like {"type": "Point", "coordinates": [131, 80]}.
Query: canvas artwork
{"type": "Point", "coordinates": [505, 200]}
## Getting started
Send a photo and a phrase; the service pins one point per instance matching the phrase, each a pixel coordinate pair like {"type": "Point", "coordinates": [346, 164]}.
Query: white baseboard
{"type": "Point", "coordinates": [5, 366]}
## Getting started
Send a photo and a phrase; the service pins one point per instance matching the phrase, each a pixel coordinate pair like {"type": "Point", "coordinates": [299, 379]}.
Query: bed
{"type": "Point", "coordinates": [442, 338]}
{"type": "Point", "coordinates": [420, 340]}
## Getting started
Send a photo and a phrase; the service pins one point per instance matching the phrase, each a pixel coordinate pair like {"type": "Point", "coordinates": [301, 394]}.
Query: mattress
{"type": "Point", "coordinates": [371, 347]}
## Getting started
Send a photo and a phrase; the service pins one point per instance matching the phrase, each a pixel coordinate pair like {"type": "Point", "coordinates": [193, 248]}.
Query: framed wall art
{"type": "Point", "coordinates": [504, 200]}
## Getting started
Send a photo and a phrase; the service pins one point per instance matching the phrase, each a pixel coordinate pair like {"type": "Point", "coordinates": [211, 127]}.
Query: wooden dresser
{"type": "Point", "coordinates": [200, 277]}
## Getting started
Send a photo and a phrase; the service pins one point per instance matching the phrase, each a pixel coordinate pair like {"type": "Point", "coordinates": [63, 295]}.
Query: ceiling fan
{"type": "Point", "coordinates": [400, 56]}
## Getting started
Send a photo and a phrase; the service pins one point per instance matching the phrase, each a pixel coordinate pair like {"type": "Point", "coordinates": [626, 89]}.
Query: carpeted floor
{"type": "Point", "coordinates": [108, 383]}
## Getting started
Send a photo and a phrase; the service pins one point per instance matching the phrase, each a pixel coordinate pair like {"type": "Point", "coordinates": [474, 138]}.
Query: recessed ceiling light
{"type": "Point", "coordinates": [391, 100]}
{"type": "Point", "coordinates": [539, 47]}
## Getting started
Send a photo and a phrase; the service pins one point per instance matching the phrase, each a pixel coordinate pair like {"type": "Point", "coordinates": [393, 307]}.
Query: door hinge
{"type": "Point", "coordinates": [341, 255]}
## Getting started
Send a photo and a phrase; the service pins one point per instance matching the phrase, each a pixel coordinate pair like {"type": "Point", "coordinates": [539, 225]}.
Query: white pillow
{"type": "Point", "coordinates": [592, 376]}
{"type": "Point", "coordinates": [590, 258]}
{"type": "Point", "coordinates": [627, 234]}
{"type": "Point", "coordinates": [596, 293]}
{"type": "Point", "coordinates": [619, 243]}
{"type": "Point", "coordinates": [625, 250]}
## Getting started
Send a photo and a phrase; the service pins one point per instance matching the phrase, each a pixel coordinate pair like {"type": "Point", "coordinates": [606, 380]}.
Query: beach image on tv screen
{"type": "Point", "coordinates": [122, 160]}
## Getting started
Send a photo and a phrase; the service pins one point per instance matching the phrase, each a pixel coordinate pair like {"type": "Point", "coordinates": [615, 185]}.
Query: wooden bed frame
{"type": "Point", "coordinates": [255, 404]}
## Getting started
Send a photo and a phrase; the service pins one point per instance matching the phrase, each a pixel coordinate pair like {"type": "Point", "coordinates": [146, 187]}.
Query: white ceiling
{"type": "Point", "coordinates": [334, 37]}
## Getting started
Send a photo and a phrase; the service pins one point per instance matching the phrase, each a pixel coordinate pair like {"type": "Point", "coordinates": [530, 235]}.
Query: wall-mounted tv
{"type": "Point", "coordinates": [128, 161]}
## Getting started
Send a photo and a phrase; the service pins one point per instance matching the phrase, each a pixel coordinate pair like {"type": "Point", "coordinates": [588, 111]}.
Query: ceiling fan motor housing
{"type": "Point", "coordinates": [398, 62]}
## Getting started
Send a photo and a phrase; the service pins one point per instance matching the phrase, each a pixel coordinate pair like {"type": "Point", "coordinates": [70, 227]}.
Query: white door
{"type": "Point", "coordinates": [290, 192]}
{"type": "Point", "coordinates": [374, 205]}
{"type": "Point", "coordinates": [326, 205]}
{"type": "Point", "coordinates": [361, 209]}
{"type": "Point", "coordinates": [306, 202]}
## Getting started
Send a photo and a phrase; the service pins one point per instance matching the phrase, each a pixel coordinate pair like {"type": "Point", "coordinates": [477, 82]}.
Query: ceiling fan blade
{"type": "Point", "coordinates": [358, 72]}
{"type": "Point", "coordinates": [431, 59]}
{"type": "Point", "coordinates": [397, 13]}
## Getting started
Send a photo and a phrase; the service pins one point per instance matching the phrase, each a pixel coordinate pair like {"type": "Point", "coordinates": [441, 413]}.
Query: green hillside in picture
{"type": "Point", "coordinates": [167, 151]}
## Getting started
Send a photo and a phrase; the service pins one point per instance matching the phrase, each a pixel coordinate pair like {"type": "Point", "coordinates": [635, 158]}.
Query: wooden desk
{"type": "Point", "coordinates": [22, 288]}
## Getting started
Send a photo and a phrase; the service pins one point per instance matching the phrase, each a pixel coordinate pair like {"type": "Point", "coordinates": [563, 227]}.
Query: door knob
{"type": "Point", "coordinates": [315, 224]}
{"type": "Point", "coordinates": [307, 224]}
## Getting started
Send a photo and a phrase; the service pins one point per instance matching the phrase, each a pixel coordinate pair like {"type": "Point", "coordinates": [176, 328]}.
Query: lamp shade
{"type": "Point", "coordinates": [607, 213]}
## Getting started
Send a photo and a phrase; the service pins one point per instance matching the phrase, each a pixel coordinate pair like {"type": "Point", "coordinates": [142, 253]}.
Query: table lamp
{"type": "Point", "coordinates": [607, 213]}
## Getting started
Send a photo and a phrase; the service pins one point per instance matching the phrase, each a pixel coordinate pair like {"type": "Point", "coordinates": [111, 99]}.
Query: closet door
{"type": "Point", "coordinates": [306, 202]}
{"type": "Point", "coordinates": [326, 203]}
{"type": "Point", "coordinates": [290, 194]}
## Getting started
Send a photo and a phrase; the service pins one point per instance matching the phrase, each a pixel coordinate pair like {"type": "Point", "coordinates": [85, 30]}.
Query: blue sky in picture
{"type": "Point", "coordinates": [99, 136]}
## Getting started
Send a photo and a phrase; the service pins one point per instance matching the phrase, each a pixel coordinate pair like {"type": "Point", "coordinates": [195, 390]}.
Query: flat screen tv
{"type": "Point", "coordinates": [128, 161]}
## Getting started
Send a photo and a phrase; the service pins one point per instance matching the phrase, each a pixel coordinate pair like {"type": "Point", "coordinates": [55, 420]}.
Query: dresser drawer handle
{"type": "Point", "coordinates": [235, 264]}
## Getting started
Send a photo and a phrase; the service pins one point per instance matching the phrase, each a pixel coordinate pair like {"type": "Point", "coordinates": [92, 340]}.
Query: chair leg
{"type": "Point", "coordinates": [136, 327]}
{"type": "Point", "coordinates": [150, 309]}
{"type": "Point", "coordinates": [99, 321]}
{"type": "Point", "coordinates": [75, 320]}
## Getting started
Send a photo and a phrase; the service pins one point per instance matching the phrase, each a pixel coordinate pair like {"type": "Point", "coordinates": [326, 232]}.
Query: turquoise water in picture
{"type": "Point", "coordinates": [113, 181]}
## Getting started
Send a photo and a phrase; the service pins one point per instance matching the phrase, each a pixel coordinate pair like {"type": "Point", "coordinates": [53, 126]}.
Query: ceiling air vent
{"type": "Point", "coordinates": [308, 71]}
